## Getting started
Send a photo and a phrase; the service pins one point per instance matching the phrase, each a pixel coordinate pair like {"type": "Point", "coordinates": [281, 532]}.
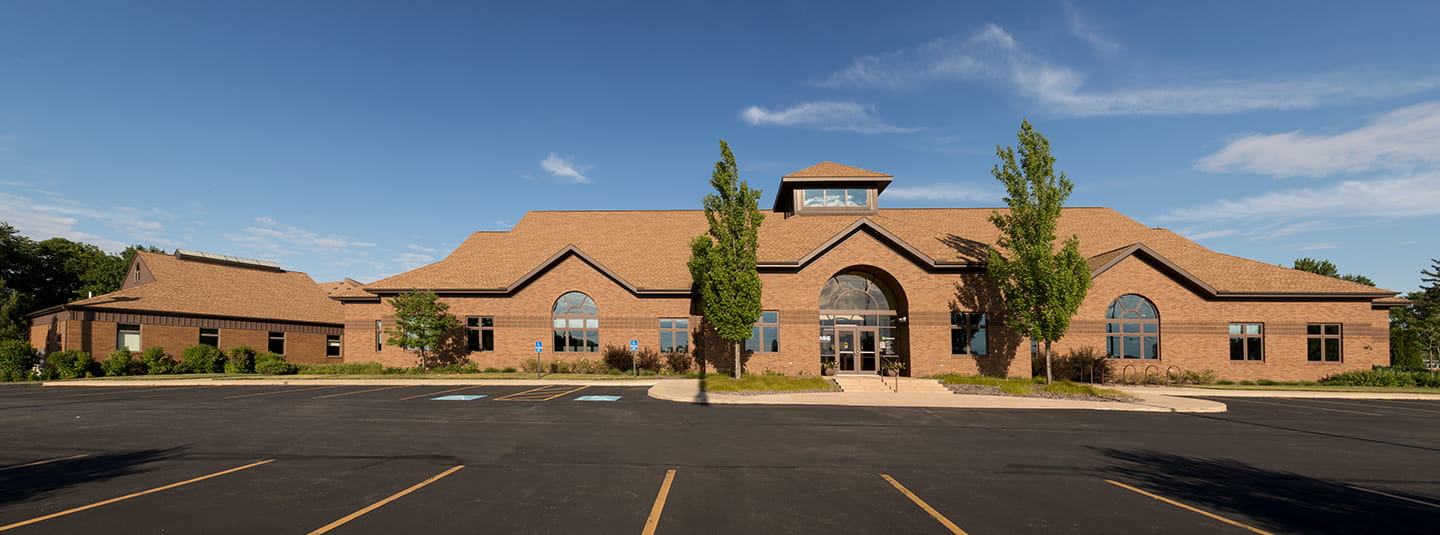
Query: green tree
{"type": "Point", "coordinates": [723, 262]}
{"type": "Point", "coordinates": [1040, 287]}
{"type": "Point", "coordinates": [1328, 269]}
{"type": "Point", "coordinates": [422, 322]}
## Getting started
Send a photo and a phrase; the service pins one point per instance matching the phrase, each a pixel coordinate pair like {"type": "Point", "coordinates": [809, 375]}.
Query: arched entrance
{"type": "Point", "coordinates": [860, 322]}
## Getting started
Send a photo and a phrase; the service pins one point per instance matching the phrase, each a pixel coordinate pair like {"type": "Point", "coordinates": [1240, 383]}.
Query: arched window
{"type": "Point", "coordinates": [854, 291]}
{"type": "Point", "coordinates": [577, 323]}
{"type": "Point", "coordinates": [1132, 329]}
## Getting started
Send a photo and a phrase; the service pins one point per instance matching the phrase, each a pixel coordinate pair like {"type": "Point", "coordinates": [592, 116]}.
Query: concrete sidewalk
{"type": "Point", "coordinates": [1219, 393]}
{"type": "Point", "coordinates": [688, 391]}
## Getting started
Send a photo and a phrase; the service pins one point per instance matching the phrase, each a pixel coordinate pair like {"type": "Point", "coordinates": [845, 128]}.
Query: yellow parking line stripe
{"type": "Point", "coordinates": [358, 392]}
{"type": "Point", "coordinates": [377, 505]}
{"type": "Point", "coordinates": [46, 461]}
{"type": "Point", "coordinates": [654, 520]}
{"type": "Point", "coordinates": [1411, 500]}
{"type": "Point", "coordinates": [1301, 406]}
{"type": "Point", "coordinates": [1372, 406]}
{"type": "Point", "coordinates": [1188, 508]}
{"type": "Point", "coordinates": [442, 392]}
{"type": "Point", "coordinates": [283, 391]}
{"type": "Point", "coordinates": [933, 513]}
{"type": "Point", "coordinates": [128, 496]}
{"type": "Point", "coordinates": [544, 393]}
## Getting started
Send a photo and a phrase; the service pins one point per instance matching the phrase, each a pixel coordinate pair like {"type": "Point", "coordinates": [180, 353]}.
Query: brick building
{"type": "Point", "coordinates": [176, 301]}
{"type": "Point", "coordinates": [850, 283]}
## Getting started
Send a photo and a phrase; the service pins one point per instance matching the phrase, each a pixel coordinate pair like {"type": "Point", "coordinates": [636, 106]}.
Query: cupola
{"type": "Point", "coordinates": [828, 188]}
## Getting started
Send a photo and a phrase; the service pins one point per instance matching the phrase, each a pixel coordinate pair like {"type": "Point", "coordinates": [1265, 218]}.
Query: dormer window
{"type": "Point", "coordinates": [852, 197]}
{"type": "Point", "coordinates": [829, 188]}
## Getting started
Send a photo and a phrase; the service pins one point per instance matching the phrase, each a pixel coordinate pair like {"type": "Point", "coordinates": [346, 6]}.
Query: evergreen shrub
{"type": "Point", "coordinates": [201, 358]}
{"type": "Point", "coordinates": [157, 362]}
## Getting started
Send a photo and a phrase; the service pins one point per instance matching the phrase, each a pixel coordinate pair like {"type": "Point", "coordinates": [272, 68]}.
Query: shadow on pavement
{"type": "Point", "coordinates": [1279, 501]}
{"type": "Point", "coordinates": [22, 484]}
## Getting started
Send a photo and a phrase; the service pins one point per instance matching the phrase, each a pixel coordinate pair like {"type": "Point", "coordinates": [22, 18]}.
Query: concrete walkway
{"type": "Point", "coordinates": [1220, 393]}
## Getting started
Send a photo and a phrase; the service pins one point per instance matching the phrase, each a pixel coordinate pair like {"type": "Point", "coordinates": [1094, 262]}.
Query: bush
{"type": "Point", "coordinates": [679, 362]}
{"type": "Point", "coordinates": [618, 358]}
{"type": "Point", "coordinates": [1202, 377]}
{"type": "Point", "coordinates": [648, 360]}
{"type": "Point", "coordinates": [1086, 364]}
{"type": "Point", "coordinates": [267, 363]}
{"type": "Point", "coordinates": [157, 362]}
{"type": "Point", "coordinates": [558, 366]}
{"type": "Point", "coordinates": [70, 364]}
{"type": "Point", "coordinates": [201, 358]}
{"type": "Point", "coordinates": [1385, 377]}
{"type": "Point", "coordinates": [584, 365]}
{"type": "Point", "coordinates": [464, 367]}
{"type": "Point", "coordinates": [120, 362]}
{"type": "Point", "coordinates": [17, 360]}
{"type": "Point", "coordinates": [353, 368]}
{"type": "Point", "coordinates": [240, 359]}
{"type": "Point", "coordinates": [508, 369]}
{"type": "Point", "coordinates": [492, 370]}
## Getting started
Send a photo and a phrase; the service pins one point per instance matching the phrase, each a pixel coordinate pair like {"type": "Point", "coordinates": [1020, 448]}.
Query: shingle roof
{"type": "Point", "coordinates": [833, 170]}
{"type": "Point", "coordinates": [195, 287]}
{"type": "Point", "coordinates": [649, 249]}
{"type": "Point", "coordinates": [340, 287]}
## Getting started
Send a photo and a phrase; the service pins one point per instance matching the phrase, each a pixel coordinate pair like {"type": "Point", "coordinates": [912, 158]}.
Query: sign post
{"type": "Point", "coordinates": [539, 348]}
{"type": "Point", "coordinates": [634, 356]}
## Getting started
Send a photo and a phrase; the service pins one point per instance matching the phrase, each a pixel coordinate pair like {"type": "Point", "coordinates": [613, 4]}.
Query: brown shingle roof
{"type": "Point", "coordinates": [200, 288]}
{"type": "Point", "coordinates": [340, 287]}
{"type": "Point", "coordinates": [832, 170]}
{"type": "Point", "coordinates": [649, 249]}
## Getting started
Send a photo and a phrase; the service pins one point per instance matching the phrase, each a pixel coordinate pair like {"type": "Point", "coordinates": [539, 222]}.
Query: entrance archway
{"type": "Point", "coordinates": [861, 317]}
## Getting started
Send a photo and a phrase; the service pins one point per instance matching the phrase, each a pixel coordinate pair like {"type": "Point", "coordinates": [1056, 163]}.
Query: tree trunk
{"type": "Point", "coordinates": [737, 359]}
{"type": "Point", "coordinates": [1049, 377]}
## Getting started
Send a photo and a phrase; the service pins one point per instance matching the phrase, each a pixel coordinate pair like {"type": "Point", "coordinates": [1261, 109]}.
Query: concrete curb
{"type": "Point", "coordinates": [688, 391]}
{"type": "Point", "coordinates": [1216, 393]}
{"type": "Point", "coordinates": [356, 382]}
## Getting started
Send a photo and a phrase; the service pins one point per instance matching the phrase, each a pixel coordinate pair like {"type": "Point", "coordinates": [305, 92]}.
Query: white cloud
{"type": "Point", "coordinates": [1416, 195]}
{"type": "Point", "coordinates": [1084, 30]}
{"type": "Point", "coordinates": [1280, 231]}
{"type": "Point", "coordinates": [276, 239]}
{"type": "Point", "coordinates": [565, 167]}
{"type": "Point", "coordinates": [57, 216]}
{"type": "Point", "coordinates": [1318, 246]}
{"type": "Point", "coordinates": [1211, 234]}
{"type": "Point", "coordinates": [842, 116]}
{"type": "Point", "coordinates": [1401, 139]}
{"type": "Point", "coordinates": [409, 261]}
{"type": "Point", "coordinates": [993, 55]}
{"type": "Point", "coordinates": [942, 192]}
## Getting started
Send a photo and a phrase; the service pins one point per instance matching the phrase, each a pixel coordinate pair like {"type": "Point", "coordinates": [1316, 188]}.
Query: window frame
{"type": "Point", "coordinates": [333, 341]}
{"type": "Point", "coordinates": [764, 330]}
{"type": "Point", "coordinates": [121, 329]}
{"type": "Point", "coordinates": [963, 323]}
{"type": "Point", "coordinates": [589, 328]}
{"type": "Point", "coordinates": [478, 331]}
{"type": "Point", "coordinates": [215, 336]}
{"type": "Point", "coordinates": [1244, 336]}
{"type": "Point", "coordinates": [1325, 340]}
{"type": "Point", "coordinates": [271, 338]}
{"type": "Point", "coordinates": [379, 336]}
{"type": "Point", "coordinates": [1116, 330]}
{"type": "Point", "coordinates": [674, 332]}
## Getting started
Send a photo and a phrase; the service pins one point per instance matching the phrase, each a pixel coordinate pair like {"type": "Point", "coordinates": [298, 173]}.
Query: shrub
{"type": "Point", "coordinates": [201, 358]}
{"type": "Point", "coordinates": [648, 359]}
{"type": "Point", "coordinates": [584, 365]}
{"type": "Point", "coordinates": [1224, 382]}
{"type": "Point", "coordinates": [157, 362]}
{"type": "Point", "coordinates": [679, 362]}
{"type": "Point", "coordinates": [531, 365]}
{"type": "Point", "coordinates": [1385, 377]}
{"type": "Point", "coordinates": [558, 366]}
{"type": "Point", "coordinates": [69, 364]}
{"type": "Point", "coordinates": [492, 370]}
{"type": "Point", "coordinates": [508, 370]}
{"type": "Point", "coordinates": [354, 368]}
{"type": "Point", "coordinates": [461, 367]}
{"type": "Point", "coordinates": [17, 360]}
{"type": "Point", "coordinates": [120, 362]}
{"type": "Point", "coordinates": [268, 363]}
{"type": "Point", "coordinates": [1202, 377]}
{"type": "Point", "coordinates": [240, 359]}
{"type": "Point", "coordinates": [618, 358]}
{"type": "Point", "coordinates": [1085, 364]}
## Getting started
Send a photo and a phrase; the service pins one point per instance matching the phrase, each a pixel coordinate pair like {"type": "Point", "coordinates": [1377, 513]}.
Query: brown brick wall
{"type": "Point", "coordinates": [98, 338]}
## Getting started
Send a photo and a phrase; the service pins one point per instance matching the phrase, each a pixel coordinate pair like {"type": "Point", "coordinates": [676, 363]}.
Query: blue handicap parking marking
{"type": "Point", "coordinates": [598, 398]}
{"type": "Point", "coordinates": [456, 398]}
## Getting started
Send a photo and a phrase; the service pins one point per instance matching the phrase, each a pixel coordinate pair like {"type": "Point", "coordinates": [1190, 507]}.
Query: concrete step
{"type": "Point", "coordinates": [874, 383]}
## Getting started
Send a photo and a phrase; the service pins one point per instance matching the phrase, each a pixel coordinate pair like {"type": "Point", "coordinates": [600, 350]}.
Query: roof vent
{"type": "Point", "coordinates": [187, 254]}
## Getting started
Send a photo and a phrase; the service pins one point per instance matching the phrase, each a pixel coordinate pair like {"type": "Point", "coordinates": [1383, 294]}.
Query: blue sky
{"type": "Point", "coordinates": [363, 139]}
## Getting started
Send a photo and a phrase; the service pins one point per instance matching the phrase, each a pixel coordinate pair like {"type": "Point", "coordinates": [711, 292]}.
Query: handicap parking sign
{"type": "Point", "coordinates": [634, 345]}
{"type": "Point", "coordinates": [539, 346]}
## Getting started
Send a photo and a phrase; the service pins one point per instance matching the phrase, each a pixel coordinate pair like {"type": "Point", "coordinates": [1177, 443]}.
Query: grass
{"type": "Point", "coordinates": [764, 383]}
{"type": "Point", "coordinates": [1023, 386]}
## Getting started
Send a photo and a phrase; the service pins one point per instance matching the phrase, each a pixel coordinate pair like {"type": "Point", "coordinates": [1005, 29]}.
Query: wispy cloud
{"type": "Point", "coordinates": [1401, 139]}
{"type": "Point", "coordinates": [409, 261]}
{"type": "Point", "coordinates": [834, 116]}
{"type": "Point", "coordinates": [272, 238]}
{"type": "Point", "coordinates": [1083, 29]}
{"type": "Point", "coordinates": [57, 216]}
{"type": "Point", "coordinates": [1271, 232]}
{"type": "Point", "coordinates": [565, 167]}
{"type": "Point", "coordinates": [1210, 234]}
{"type": "Point", "coordinates": [943, 192]}
{"type": "Point", "coordinates": [414, 247]}
{"type": "Point", "coordinates": [993, 55]}
{"type": "Point", "coordinates": [1417, 195]}
{"type": "Point", "coordinates": [1319, 246]}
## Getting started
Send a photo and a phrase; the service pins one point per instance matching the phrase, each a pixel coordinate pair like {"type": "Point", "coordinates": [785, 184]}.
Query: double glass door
{"type": "Point", "coordinates": [855, 349]}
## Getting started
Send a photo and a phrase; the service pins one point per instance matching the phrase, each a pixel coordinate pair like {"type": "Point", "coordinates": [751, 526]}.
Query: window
{"type": "Point", "coordinates": [1322, 342]}
{"type": "Point", "coordinates": [277, 343]}
{"type": "Point", "coordinates": [836, 198]}
{"type": "Point", "coordinates": [674, 335]}
{"type": "Point", "coordinates": [379, 336]}
{"type": "Point", "coordinates": [127, 337]}
{"type": "Point", "coordinates": [332, 345]}
{"type": "Point", "coordinates": [577, 323]}
{"type": "Point", "coordinates": [1132, 329]}
{"type": "Point", "coordinates": [210, 337]}
{"type": "Point", "coordinates": [1247, 341]}
{"type": "Point", "coordinates": [480, 333]}
{"type": "Point", "coordinates": [967, 334]}
{"type": "Point", "coordinates": [765, 338]}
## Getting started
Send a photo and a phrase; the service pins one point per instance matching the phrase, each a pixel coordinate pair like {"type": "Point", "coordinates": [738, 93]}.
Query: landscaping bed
{"type": "Point", "coordinates": [1001, 386]}
{"type": "Point", "coordinates": [766, 384]}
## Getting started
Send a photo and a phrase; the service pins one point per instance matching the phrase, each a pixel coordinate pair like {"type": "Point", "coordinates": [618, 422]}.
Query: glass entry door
{"type": "Point", "coordinates": [845, 349]}
{"type": "Point", "coordinates": [856, 350]}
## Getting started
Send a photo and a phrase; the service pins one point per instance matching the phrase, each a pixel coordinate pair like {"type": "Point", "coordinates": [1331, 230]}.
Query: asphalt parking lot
{"type": "Point", "coordinates": [601, 459]}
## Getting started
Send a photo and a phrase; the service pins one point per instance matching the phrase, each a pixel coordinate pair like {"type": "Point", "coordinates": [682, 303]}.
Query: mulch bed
{"type": "Point", "coordinates": [986, 390]}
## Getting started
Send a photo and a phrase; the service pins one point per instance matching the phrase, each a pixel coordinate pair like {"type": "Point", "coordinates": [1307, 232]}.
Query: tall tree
{"type": "Point", "coordinates": [723, 262]}
{"type": "Point", "coordinates": [1328, 269]}
{"type": "Point", "coordinates": [1040, 286]}
{"type": "Point", "coordinates": [422, 322]}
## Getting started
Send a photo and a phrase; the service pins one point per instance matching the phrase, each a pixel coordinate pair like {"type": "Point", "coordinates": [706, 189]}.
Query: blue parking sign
{"type": "Point", "coordinates": [634, 345]}
{"type": "Point", "coordinates": [539, 346]}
